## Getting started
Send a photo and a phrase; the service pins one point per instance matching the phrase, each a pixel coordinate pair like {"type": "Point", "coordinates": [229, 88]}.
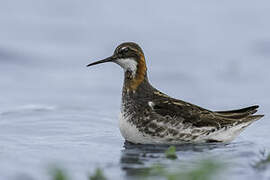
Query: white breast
{"type": "Point", "coordinates": [130, 132]}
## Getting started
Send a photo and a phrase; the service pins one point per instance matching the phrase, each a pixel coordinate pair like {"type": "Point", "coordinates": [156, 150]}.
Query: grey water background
{"type": "Point", "coordinates": [55, 111]}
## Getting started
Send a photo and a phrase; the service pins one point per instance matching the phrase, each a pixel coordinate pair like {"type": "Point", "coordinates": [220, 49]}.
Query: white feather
{"type": "Point", "coordinates": [151, 104]}
{"type": "Point", "coordinates": [128, 64]}
{"type": "Point", "coordinates": [130, 132]}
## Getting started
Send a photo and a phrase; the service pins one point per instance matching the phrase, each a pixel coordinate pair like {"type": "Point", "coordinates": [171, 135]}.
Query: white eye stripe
{"type": "Point", "coordinates": [124, 49]}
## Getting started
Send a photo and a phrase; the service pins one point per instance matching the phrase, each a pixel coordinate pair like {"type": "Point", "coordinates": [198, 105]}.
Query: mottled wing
{"type": "Point", "coordinates": [199, 117]}
{"type": "Point", "coordinates": [185, 112]}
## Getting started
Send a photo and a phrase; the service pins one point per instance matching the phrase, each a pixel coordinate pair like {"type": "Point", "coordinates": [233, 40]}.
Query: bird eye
{"type": "Point", "coordinates": [124, 50]}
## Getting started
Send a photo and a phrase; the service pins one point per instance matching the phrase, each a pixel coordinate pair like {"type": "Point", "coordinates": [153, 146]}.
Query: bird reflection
{"type": "Point", "coordinates": [136, 159]}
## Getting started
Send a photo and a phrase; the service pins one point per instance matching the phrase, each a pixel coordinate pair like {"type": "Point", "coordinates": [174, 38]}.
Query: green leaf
{"type": "Point", "coordinates": [170, 153]}
{"type": "Point", "coordinates": [58, 174]}
{"type": "Point", "coordinates": [98, 175]}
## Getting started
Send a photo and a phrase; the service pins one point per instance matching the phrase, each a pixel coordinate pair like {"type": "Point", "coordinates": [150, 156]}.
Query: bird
{"type": "Point", "coordinates": [149, 116]}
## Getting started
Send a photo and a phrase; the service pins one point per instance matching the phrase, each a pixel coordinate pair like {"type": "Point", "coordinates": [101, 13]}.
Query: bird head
{"type": "Point", "coordinates": [130, 57]}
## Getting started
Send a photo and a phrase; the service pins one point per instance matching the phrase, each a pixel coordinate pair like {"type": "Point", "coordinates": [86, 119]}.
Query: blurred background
{"type": "Point", "coordinates": [53, 109]}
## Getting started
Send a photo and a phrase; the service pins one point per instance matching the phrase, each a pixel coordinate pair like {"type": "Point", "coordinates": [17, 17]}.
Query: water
{"type": "Point", "coordinates": [56, 112]}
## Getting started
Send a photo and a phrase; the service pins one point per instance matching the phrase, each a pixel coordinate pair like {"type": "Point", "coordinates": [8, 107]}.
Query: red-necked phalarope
{"type": "Point", "coordinates": [149, 116]}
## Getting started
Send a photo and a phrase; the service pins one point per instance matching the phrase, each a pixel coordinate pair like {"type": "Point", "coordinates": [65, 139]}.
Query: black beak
{"type": "Point", "coordinates": [109, 59]}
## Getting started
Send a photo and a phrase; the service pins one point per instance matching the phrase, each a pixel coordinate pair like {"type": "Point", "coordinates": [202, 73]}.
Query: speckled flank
{"type": "Point", "coordinates": [154, 129]}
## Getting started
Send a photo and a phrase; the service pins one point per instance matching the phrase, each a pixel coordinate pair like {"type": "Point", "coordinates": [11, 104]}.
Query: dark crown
{"type": "Point", "coordinates": [129, 49]}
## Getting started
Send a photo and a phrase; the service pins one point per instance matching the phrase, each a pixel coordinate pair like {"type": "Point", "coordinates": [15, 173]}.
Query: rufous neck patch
{"type": "Point", "coordinates": [134, 82]}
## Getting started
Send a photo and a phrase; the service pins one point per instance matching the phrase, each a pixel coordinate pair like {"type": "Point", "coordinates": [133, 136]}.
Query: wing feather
{"type": "Point", "coordinates": [200, 117]}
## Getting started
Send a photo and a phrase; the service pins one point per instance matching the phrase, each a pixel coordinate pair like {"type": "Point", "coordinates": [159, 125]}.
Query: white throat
{"type": "Point", "coordinates": [128, 64]}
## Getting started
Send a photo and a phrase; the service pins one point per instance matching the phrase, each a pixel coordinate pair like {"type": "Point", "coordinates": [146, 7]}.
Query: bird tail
{"type": "Point", "coordinates": [242, 115]}
{"type": "Point", "coordinates": [236, 121]}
